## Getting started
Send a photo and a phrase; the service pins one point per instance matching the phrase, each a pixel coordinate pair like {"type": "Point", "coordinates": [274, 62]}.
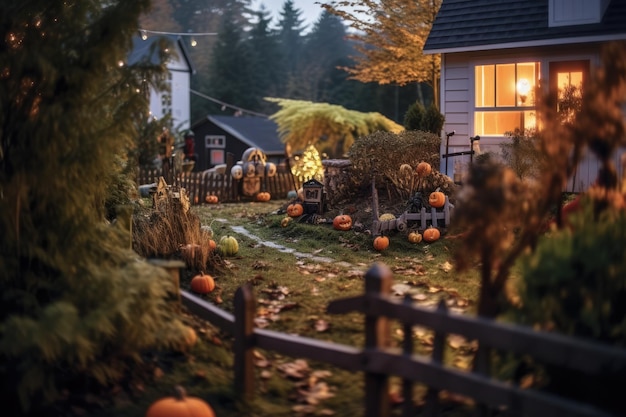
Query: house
{"type": "Point", "coordinates": [217, 135]}
{"type": "Point", "coordinates": [175, 101]}
{"type": "Point", "coordinates": [495, 52]}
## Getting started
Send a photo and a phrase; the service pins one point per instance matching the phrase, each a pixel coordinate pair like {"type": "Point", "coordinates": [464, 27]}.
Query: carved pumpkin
{"type": "Point", "coordinates": [211, 199]}
{"type": "Point", "coordinates": [228, 246]}
{"type": "Point", "coordinates": [437, 199]}
{"type": "Point", "coordinates": [342, 222]}
{"type": "Point", "coordinates": [431, 234]}
{"type": "Point", "coordinates": [202, 283]}
{"type": "Point", "coordinates": [423, 169]}
{"type": "Point", "coordinates": [180, 406]}
{"type": "Point", "coordinates": [414, 237]}
{"type": "Point", "coordinates": [381, 243]}
{"type": "Point", "coordinates": [295, 210]}
{"type": "Point", "coordinates": [387, 216]}
{"type": "Point", "coordinates": [263, 196]}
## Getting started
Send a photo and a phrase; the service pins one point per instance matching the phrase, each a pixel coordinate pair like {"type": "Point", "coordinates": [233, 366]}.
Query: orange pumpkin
{"type": "Point", "coordinates": [211, 199]}
{"type": "Point", "coordinates": [202, 283]}
{"type": "Point", "coordinates": [432, 234]}
{"type": "Point", "coordinates": [423, 169]}
{"type": "Point", "coordinates": [180, 406]}
{"type": "Point", "coordinates": [342, 222]}
{"type": "Point", "coordinates": [381, 243]}
{"type": "Point", "coordinates": [263, 196]}
{"type": "Point", "coordinates": [212, 245]}
{"type": "Point", "coordinates": [437, 199]}
{"type": "Point", "coordinates": [295, 210]}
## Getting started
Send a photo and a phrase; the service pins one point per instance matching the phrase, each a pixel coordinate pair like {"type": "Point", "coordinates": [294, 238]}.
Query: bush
{"type": "Point", "coordinates": [521, 153]}
{"type": "Point", "coordinates": [418, 117]}
{"type": "Point", "coordinates": [379, 156]}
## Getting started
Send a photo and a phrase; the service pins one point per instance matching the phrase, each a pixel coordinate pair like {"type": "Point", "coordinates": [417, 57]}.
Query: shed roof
{"type": "Point", "coordinates": [146, 50]}
{"type": "Point", "coordinates": [471, 25]}
{"type": "Point", "coordinates": [257, 132]}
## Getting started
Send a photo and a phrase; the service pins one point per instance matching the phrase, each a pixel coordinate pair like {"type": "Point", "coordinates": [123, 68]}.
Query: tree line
{"type": "Point", "coordinates": [253, 56]}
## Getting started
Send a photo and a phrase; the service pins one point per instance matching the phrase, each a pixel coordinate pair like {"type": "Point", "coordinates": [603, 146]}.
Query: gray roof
{"type": "Point", "coordinates": [466, 25]}
{"type": "Point", "coordinates": [147, 50]}
{"type": "Point", "coordinates": [256, 132]}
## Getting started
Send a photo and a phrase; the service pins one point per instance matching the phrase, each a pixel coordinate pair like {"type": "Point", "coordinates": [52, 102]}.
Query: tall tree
{"type": "Point", "coordinates": [77, 304]}
{"type": "Point", "coordinates": [291, 30]}
{"type": "Point", "coordinates": [391, 36]}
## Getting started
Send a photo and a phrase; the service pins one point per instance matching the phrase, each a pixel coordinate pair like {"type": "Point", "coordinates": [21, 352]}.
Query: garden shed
{"type": "Point", "coordinates": [495, 53]}
{"type": "Point", "coordinates": [217, 135]}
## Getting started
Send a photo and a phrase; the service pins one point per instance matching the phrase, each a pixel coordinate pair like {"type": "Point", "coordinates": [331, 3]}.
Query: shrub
{"type": "Point", "coordinates": [521, 153]}
{"type": "Point", "coordinates": [379, 156]}
{"type": "Point", "coordinates": [418, 117]}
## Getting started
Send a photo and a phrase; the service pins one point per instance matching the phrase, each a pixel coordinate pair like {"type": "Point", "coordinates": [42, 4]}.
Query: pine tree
{"type": "Point", "coordinates": [291, 40]}
{"type": "Point", "coordinates": [77, 303]}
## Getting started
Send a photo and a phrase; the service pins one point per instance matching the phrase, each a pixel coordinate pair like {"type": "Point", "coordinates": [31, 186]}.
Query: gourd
{"type": "Point", "coordinates": [263, 196]}
{"type": "Point", "coordinates": [423, 169]}
{"type": "Point", "coordinates": [387, 216]}
{"type": "Point", "coordinates": [431, 234]}
{"type": "Point", "coordinates": [437, 199]}
{"type": "Point", "coordinates": [286, 221]}
{"type": "Point", "coordinates": [295, 210]}
{"type": "Point", "coordinates": [211, 199]}
{"type": "Point", "coordinates": [381, 243]}
{"type": "Point", "coordinates": [180, 405]}
{"type": "Point", "coordinates": [414, 237]}
{"type": "Point", "coordinates": [228, 246]}
{"type": "Point", "coordinates": [342, 222]}
{"type": "Point", "coordinates": [202, 283]}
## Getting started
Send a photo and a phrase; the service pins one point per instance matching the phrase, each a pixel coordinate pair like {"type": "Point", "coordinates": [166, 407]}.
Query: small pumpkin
{"type": "Point", "coordinates": [228, 246]}
{"type": "Point", "coordinates": [263, 196]}
{"type": "Point", "coordinates": [180, 405]}
{"type": "Point", "coordinates": [437, 199]}
{"type": "Point", "coordinates": [202, 283]}
{"type": "Point", "coordinates": [211, 199]}
{"type": "Point", "coordinates": [212, 245]}
{"type": "Point", "coordinates": [414, 237]}
{"type": "Point", "coordinates": [381, 243]}
{"type": "Point", "coordinates": [423, 169]}
{"type": "Point", "coordinates": [386, 217]}
{"type": "Point", "coordinates": [191, 337]}
{"type": "Point", "coordinates": [342, 222]}
{"type": "Point", "coordinates": [295, 210]}
{"type": "Point", "coordinates": [286, 221]}
{"type": "Point", "coordinates": [432, 234]}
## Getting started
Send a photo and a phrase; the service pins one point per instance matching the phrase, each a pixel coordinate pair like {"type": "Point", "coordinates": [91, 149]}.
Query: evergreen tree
{"type": "Point", "coordinates": [291, 41]}
{"type": "Point", "coordinates": [78, 306]}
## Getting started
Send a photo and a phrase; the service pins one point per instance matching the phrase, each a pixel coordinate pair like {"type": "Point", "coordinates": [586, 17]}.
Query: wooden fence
{"type": "Point", "coordinates": [200, 184]}
{"type": "Point", "coordinates": [379, 362]}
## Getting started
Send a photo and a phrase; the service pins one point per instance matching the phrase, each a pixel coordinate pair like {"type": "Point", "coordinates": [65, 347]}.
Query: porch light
{"type": "Point", "coordinates": [523, 88]}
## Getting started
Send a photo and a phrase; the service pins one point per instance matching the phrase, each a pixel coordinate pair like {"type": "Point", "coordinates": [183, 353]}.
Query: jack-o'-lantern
{"type": "Point", "coordinates": [211, 199]}
{"type": "Point", "coordinates": [295, 210]}
{"type": "Point", "coordinates": [263, 196]}
{"type": "Point", "coordinates": [437, 199]}
{"type": "Point", "coordinates": [342, 222]}
{"type": "Point", "coordinates": [431, 234]}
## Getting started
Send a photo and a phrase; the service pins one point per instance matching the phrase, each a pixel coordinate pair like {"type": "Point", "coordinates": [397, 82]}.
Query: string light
{"type": "Point", "coordinates": [238, 110]}
{"type": "Point", "coordinates": [193, 41]}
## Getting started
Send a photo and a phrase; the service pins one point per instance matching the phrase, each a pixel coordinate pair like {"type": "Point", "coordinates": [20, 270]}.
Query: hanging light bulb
{"type": "Point", "coordinates": [144, 35]}
{"type": "Point", "coordinates": [193, 41]}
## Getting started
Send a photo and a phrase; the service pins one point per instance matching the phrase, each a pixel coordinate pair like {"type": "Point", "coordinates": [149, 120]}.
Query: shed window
{"type": "Point", "coordinates": [505, 97]}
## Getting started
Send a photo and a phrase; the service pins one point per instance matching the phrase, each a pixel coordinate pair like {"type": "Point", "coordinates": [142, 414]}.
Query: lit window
{"type": "Point", "coordinates": [505, 98]}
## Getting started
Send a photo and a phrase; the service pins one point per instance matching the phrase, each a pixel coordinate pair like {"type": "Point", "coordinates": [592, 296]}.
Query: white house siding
{"type": "Point", "coordinates": [457, 104]}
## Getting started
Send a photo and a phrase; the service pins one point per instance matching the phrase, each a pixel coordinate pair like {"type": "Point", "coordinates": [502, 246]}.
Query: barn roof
{"type": "Point", "coordinates": [257, 132]}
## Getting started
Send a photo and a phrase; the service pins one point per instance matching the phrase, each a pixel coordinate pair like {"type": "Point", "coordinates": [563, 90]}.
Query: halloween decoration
{"type": "Point", "coordinates": [202, 283]}
{"type": "Point", "coordinates": [423, 169]}
{"type": "Point", "coordinates": [228, 246]}
{"type": "Point", "coordinates": [211, 199]}
{"type": "Point", "coordinates": [263, 196]}
{"type": "Point", "coordinates": [414, 237]}
{"type": "Point", "coordinates": [381, 243]}
{"type": "Point", "coordinates": [180, 406]}
{"type": "Point", "coordinates": [286, 221]}
{"type": "Point", "coordinates": [437, 199]}
{"type": "Point", "coordinates": [342, 222]}
{"type": "Point", "coordinates": [431, 234]}
{"type": "Point", "coordinates": [295, 210]}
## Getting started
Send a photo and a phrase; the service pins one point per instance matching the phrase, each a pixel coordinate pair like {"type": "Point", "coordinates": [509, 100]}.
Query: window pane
{"type": "Point", "coordinates": [485, 86]}
{"type": "Point", "coordinates": [527, 77]}
{"type": "Point", "coordinates": [505, 86]}
{"type": "Point", "coordinates": [497, 123]}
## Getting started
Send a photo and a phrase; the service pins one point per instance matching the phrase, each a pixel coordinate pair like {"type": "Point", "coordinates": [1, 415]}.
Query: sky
{"type": "Point", "coordinates": [310, 11]}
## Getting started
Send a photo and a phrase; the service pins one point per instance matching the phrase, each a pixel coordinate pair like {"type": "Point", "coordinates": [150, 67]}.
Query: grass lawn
{"type": "Point", "coordinates": [296, 271]}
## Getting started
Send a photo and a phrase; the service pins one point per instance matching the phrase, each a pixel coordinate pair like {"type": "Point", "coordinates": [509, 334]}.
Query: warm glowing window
{"type": "Point", "coordinates": [505, 98]}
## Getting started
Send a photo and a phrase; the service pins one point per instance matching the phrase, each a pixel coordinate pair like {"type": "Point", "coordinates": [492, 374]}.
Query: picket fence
{"type": "Point", "coordinates": [200, 184]}
{"type": "Point", "coordinates": [379, 362]}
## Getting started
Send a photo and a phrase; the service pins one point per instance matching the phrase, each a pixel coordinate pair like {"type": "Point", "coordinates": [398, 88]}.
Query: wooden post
{"type": "Point", "coordinates": [432, 396]}
{"type": "Point", "coordinates": [245, 305]}
{"type": "Point", "coordinates": [173, 267]}
{"type": "Point", "coordinates": [407, 350]}
{"type": "Point", "coordinates": [378, 280]}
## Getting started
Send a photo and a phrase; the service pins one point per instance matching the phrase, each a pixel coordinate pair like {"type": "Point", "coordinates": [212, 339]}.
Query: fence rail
{"type": "Point", "coordinates": [379, 362]}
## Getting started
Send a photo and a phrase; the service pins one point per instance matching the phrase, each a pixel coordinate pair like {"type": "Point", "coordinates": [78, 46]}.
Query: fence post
{"type": "Point", "coordinates": [244, 308]}
{"type": "Point", "coordinates": [378, 280]}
